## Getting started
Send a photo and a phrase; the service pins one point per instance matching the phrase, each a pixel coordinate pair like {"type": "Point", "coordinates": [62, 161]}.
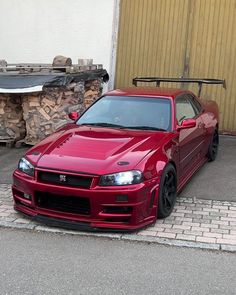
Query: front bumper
{"type": "Point", "coordinates": [117, 208]}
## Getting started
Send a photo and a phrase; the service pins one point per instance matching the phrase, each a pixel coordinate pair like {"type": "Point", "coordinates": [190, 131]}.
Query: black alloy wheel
{"type": "Point", "coordinates": [213, 147]}
{"type": "Point", "coordinates": [168, 192]}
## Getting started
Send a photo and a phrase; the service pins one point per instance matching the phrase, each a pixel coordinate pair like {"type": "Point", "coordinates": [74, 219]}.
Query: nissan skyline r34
{"type": "Point", "coordinates": [121, 164]}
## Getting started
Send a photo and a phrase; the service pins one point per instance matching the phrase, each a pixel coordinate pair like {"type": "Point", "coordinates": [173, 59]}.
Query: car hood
{"type": "Point", "coordinates": [94, 150]}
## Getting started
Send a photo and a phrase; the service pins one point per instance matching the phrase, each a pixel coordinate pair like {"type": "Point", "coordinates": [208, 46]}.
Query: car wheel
{"type": "Point", "coordinates": [213, 147]}
{"type": "Point", "coordinates": [168, 192]}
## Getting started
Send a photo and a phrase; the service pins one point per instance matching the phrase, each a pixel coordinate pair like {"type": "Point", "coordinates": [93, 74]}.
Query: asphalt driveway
{"type": "Point", "coordinates": [214, 181]}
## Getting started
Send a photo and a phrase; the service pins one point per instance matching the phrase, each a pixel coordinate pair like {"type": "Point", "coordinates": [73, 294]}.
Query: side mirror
{"type": "Point", "coordinates": [186, 124]}
{"type": "Point", "coordinates": [73, 116]}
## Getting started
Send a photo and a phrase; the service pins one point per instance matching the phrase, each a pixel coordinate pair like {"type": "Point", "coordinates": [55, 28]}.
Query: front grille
{"type": "Point", "coordinates": [68, 204]}
{"type": "Point", "coordinates": [65, 179]}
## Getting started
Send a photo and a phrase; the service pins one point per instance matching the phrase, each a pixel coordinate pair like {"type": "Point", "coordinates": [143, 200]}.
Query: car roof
{"type": "Point", "coordinates": [148, 91]}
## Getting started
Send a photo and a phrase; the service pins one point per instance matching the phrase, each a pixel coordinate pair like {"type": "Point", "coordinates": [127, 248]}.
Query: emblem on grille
{"type": "Point", "coordinates": [62, 178]}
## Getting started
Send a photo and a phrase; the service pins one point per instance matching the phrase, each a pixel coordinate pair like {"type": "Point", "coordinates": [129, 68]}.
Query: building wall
{"type": "Point", "coordinates": [38, 30]}
{"type": "Point", "coordinates": [173, 38]}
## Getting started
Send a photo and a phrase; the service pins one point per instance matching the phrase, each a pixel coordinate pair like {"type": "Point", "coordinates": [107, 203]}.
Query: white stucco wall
{"type": "Point", "coordinates": [38, 30]}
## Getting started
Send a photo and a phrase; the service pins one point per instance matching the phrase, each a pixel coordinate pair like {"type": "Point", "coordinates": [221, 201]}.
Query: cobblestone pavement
{"type": "Point", "coordinates": [195, 223]}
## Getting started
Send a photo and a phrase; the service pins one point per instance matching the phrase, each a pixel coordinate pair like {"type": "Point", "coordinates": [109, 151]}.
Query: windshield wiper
{"type": "Point", "coordinates": [101, 124]}
{"type": "Point", "coordinates": [146, 128]}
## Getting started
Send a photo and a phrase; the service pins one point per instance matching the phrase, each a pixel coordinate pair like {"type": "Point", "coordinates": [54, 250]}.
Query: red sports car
{"type": "Point", "coordinates": [121, 163]}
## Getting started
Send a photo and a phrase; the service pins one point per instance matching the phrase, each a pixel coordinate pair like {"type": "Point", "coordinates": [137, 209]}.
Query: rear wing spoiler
{"type": "Point", "coordinates": [158, 81]}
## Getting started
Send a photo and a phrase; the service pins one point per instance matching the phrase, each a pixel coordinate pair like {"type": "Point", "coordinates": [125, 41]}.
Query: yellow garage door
{"type": "Point", "coordinates": [173, 38]}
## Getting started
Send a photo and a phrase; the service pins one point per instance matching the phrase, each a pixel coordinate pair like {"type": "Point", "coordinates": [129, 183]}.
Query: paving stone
{"type": "Point", "coordinates": [177, 214]}
{"type": "Point", "coordinates": [192, 232]}
{"type": "Point", "coordinates": [10, 211]}
{"type": "Point", "coordinates": [230, 236]}
{"type": "Point", "coordinates": [194, 208]}
{"type": "Point", "coordinates": [200, 229]}
{"type": "Point", "coordinates": [219, 214]}
{"type": "Point", "coordinates": [232, 214]}
{"type": "Point", "coordinates": [195, 224]}
{"type": "Point", "coordinates": [183, 211]}
{"type": "Point", "coordinates": [206, 240]}
{"type": "Point", "coordinates": [202, 221]}
{"type": "Point", "coordinates": [220, 222]}
{"type": "Point", "coordinates": [6, 207]}
{"type": "Point", "coordinates": [9, 219]}
{"type": "Point", "coordinates": [164, 225]}
{"type": "Point", "coordinates": [210, 217]}
{"type": "Point", "coordinates": [184, 219]}
{"type": "Point", "coordinates": [205, 202]}
{"type": "Point", "coordinates": [202, 212]}
{"type": "Point", "coordinates": [193, 215]}
{"type": "Point", "coordinates": [175, 222]}
{"type": "Point", "coordinates": [174, 230]}
{"type": "Point", "coordinates": [228, 219]}
{"type": "Point", "coordinates": [211, 210]}
{"type": "Point", "coordinates": [220, 207]}
{"type": "Point", "coordinates": [4, 214]}
{"type": "Point", "coordinates": [229, 227]}
{"type": "Point", "coordinates": [220, 231]}
{"type": "Point", "coordinates": [155, 229]}
{"type": "Point", "coordinates": [209, 225]}
{"type": "Point", "coordinates": [212, 235]}
{"type": "Point", "coordinates": [178, 206]}
{"type": "Point", "coordinates": [183, 227]}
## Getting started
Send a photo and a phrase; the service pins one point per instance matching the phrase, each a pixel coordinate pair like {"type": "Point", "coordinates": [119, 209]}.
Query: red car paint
{"type": "Point", "coordinates": [126, 207]}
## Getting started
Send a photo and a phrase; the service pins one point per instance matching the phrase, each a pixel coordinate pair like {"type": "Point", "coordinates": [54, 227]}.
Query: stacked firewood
{"type": "Point", "coordinates": [47, 111]}
{"type": "Point", "coordinates": [93, 89]}
{"type": "Point", "coordinates": [12, 125]}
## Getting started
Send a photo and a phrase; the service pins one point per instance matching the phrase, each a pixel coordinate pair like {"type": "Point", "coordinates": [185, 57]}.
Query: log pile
{"type": "Point", "coordinates": [30, 117]}
{"type": "Point", "coordinates": [48, 111]}
{"type": "Point", "coordinates": [93, 89]}
{"type": "Point", "coordinates": [12, 125]}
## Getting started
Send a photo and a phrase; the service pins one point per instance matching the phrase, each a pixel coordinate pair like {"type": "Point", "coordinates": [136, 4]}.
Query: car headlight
{"type": "Point", "coordinates": [121, 178]}
{"type": "Point", "coordinates": [26, 167]}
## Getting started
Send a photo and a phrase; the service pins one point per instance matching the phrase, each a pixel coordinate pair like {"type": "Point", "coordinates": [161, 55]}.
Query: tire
{"type": "Point", "coordinates": [168, 192]}
{"type": "Point", "coordinates": [213, 147]}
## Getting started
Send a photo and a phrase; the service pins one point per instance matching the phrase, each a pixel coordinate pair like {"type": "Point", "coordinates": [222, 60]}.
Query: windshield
{"type": "Point", "coordinates": [144, 113]}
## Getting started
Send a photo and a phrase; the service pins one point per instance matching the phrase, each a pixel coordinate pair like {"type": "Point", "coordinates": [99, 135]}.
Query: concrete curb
{"type": "Point", "coordinates": [123, 237]}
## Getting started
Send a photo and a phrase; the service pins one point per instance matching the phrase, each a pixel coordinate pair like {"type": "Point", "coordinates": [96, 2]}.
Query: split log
{"type": "Point", "coordinates": [61, 61]}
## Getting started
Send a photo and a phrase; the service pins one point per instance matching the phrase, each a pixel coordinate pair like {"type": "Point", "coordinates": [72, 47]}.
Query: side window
{"type": "Point", "coordinates": [196, 105]}
{"type": "Point", "coordinates": [184, 109]}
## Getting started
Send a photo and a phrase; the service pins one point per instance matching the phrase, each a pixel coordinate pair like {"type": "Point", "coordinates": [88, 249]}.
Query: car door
{"type": "Point", "coordinates": [190, 141]}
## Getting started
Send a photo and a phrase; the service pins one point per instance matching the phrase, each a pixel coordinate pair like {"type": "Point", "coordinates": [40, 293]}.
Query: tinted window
{"type": "Point", "coordinates": [184, 109]}
{"type": "Point", "coordinates": [196, 104]}
{"type": "Point", "coordinates": [130, 112]}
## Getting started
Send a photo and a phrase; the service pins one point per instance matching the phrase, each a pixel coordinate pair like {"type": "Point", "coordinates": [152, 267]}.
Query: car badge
{"type": "Point", "coordinates": [62, 178]}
